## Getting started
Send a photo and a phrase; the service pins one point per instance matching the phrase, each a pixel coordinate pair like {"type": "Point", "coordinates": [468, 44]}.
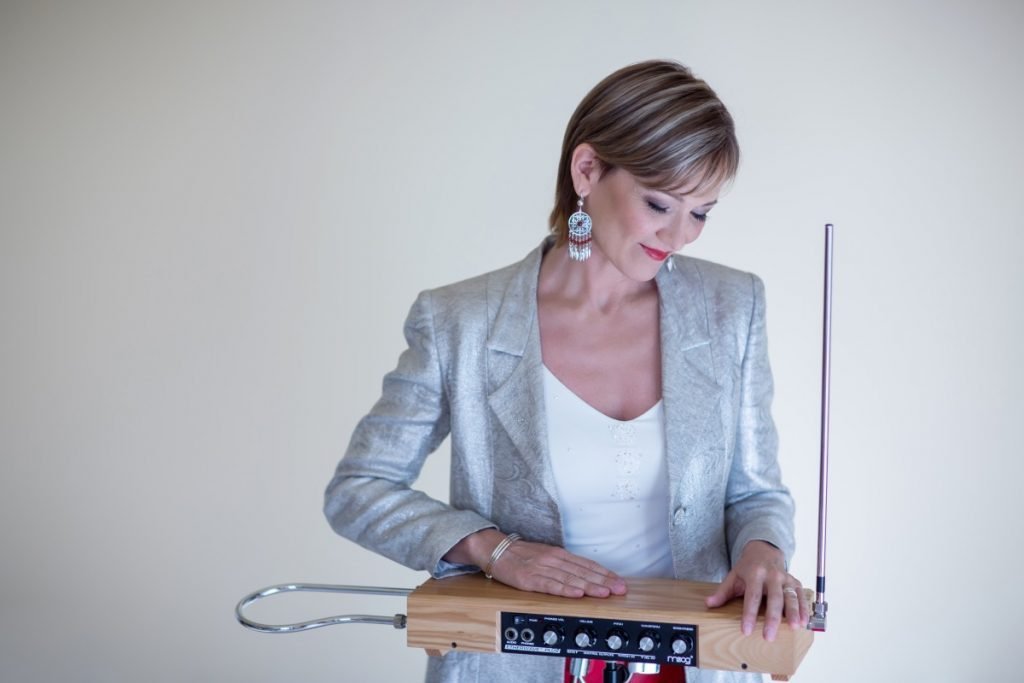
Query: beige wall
{"type": "Point", "coordinates": [214, 217]}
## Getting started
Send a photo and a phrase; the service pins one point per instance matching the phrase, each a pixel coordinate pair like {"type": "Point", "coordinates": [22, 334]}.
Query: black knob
{"type": "Point", "coordinates": [617, 639]}
{"type": "Point", "coordinates": [585, 638]}
{"type": "Point", "coordinates": [552, 635]}
{"type": "Point", "coordinates": [682, 644]}
{"type": "Point", "coordinates": [649, 641]}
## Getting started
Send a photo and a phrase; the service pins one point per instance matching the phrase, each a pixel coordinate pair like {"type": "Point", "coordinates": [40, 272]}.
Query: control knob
{"type": "Point", "coordinates": [585, 638]}
{"type": "Point", "coordinates": [552, 635]}
{"type": "Point", "coordinates": [681, 645]}
{"type": "Point", "coordinates": [648, 641]}
{"type": "Point", "coordinates": [617, 639]}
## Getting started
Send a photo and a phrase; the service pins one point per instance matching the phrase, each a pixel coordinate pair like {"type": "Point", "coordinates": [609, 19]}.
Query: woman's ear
{"type": "Point", "coordinates": [586, 168]}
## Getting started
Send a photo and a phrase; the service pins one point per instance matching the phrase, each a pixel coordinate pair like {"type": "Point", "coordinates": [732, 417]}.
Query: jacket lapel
{"type": "Point", "coordinates": [524, 481]}
{"type": "Point", "coordinates": [690, 393]}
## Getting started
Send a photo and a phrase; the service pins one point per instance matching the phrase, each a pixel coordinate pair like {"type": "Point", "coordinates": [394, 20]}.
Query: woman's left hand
{"type": "Point", "coordinates": [761, 573]}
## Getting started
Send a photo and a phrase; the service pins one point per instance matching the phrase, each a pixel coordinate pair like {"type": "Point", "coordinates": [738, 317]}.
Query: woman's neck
{"type": "Point", "coordinates": [594, 285]}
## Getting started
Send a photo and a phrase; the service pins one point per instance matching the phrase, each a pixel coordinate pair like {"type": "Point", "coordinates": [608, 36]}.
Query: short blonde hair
{"type": "Point", "coordinates": [655, 120]}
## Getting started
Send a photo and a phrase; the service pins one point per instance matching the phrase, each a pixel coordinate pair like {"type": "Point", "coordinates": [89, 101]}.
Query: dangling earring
{"type": "Point", "coordinates": [579, 233]}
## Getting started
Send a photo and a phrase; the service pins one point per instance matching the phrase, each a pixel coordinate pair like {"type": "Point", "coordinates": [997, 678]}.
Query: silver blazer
{"type": "Point", "coordinates": [472, 371]}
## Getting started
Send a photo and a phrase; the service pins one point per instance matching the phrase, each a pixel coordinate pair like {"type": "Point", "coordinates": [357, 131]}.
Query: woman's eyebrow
{"type": "Point", "coordinates": [682, 195]}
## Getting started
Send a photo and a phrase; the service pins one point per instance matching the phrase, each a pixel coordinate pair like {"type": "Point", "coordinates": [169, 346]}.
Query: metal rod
{"type": "Point", "coordinates": [397, 620]}
{"type": "Point", "coordinates": [818, 620]}
{"type": "Point", "coordinates": [578, 667]}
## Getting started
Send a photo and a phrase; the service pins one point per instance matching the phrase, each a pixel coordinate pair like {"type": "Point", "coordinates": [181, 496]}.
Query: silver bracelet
{"type": "Point", "coordinates": [499, 551]}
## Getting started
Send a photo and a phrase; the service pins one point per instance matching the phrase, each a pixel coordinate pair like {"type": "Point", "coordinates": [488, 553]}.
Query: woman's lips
{"type": "Point", "coordinates": [655, 253]}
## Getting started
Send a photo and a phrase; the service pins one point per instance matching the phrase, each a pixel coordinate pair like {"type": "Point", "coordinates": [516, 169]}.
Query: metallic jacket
{"type": "Point", "coordinates": [473, 371]}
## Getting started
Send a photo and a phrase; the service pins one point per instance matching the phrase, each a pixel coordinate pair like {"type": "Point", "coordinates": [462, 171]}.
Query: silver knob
{"type": "Point", "coordinates": [680, 646]}
{"type": "Point", "coordinates": [647, 644]}
{"type": "Point", "coordinates": [583, 639]}
{"type": "Point", "coordinates": [614, 642]}
{"type": "Point", "coordinates": [551, 637]}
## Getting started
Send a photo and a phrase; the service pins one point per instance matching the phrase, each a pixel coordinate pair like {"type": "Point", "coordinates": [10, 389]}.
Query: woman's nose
{"type": "Point", "coordinates": [679, 234]}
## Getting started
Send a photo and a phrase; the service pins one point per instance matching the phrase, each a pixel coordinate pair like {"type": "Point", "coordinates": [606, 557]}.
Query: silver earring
{"type": "Point", "coordinates": [579, 233]}
{"type": "Point", "coordinates": [670, 264]}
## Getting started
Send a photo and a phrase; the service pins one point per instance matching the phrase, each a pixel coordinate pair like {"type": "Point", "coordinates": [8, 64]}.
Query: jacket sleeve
{"type": "Point", "coordinates": [370, 500]}
{"type": "Point", "coordinates": [758, 506]}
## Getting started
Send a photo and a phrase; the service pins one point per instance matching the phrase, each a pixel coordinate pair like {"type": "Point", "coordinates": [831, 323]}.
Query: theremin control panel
{"type": "Point", "coordinates": [626, 641]}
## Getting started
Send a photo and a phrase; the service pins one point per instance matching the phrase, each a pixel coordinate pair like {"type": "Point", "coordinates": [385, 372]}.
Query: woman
{"type": "Point", "coordinates": [603, 378]}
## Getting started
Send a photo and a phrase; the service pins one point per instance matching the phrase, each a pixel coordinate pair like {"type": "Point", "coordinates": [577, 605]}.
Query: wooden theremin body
{"type": "Point", "coordinates": [464, 613]}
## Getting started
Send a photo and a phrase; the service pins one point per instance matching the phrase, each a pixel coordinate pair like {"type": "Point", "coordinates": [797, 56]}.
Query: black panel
{"type": "Point", "coordinates": [525, 634]}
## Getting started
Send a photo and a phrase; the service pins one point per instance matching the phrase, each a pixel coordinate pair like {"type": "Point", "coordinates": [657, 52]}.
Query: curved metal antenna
{"type": "Point", "coordinates": [397, 621]}
{"type": "Point", "coordinates": [820, 607]}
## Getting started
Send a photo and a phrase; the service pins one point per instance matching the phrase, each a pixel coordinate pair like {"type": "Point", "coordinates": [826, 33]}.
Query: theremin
{"type": "Point", "coordinates": [659, 621]}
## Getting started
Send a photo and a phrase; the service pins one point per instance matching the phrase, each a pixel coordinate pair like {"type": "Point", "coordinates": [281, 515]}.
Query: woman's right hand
{"type": "Point", "coordinates": [538, 567]}
{"type": "Point", "coordinates": [549, 569]}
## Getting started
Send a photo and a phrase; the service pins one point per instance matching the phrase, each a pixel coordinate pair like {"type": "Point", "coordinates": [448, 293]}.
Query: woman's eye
{"type": "Point", "coordinates": [654, 206]}
{"type": "Point", "coordinates": [699, 216]}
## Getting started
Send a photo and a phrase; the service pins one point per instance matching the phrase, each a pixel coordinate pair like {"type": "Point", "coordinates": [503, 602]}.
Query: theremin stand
{"type": "Point", "coordinates": [659, 621]}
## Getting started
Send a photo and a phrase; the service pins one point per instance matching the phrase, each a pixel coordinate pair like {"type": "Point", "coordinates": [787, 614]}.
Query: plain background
{"type": "Point", "coordinates": [215, 216]}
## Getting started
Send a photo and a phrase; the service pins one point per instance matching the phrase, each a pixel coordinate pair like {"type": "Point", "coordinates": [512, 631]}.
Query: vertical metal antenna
{"type": "Point", "coordinates": [817, 621]}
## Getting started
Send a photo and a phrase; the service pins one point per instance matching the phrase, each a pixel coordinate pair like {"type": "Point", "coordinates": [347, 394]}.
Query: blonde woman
{"type": "Point", "coordinates": [608, 400]}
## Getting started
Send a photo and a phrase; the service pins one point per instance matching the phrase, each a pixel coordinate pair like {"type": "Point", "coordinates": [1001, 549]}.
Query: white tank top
{"type": "Point", "coordinates": [612, 483]}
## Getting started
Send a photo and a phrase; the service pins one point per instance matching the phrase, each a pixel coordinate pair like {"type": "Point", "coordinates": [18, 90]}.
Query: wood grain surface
{"type": "Point", "coordinates": [463, 613]}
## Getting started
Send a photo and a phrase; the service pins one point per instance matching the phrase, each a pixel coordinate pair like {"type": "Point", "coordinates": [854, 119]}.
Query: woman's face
{"type": "Point", "coordinates": [637, 228]}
